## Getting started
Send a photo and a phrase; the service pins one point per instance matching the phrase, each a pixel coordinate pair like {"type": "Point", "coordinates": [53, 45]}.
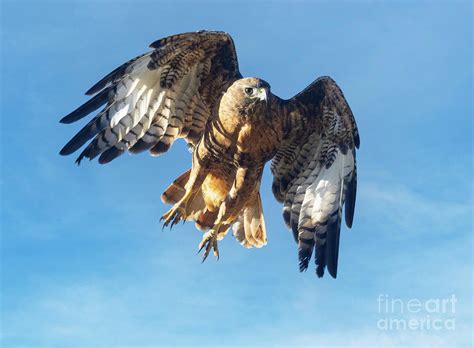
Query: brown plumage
{"type": "Point", "coordinates": [189, 86]}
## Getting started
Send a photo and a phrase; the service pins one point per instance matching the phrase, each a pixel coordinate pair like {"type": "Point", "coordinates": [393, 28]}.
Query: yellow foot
{"type": "Point", "coordinates": [209, 241]}
{"type": "Point", "coordinates": [173, 216]}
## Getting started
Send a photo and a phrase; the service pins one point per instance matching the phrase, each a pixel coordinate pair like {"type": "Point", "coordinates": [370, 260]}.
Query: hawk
{"type": "Point", "coordinates": [189, 86]}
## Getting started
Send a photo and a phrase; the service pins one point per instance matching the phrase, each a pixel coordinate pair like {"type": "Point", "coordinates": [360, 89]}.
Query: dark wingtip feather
{"type": "Point", "coordinates": [90, 152]}
{"type": "Point", "coordinates": [110, 155]}
{"type": "Point", "coordinates": [72, 145]}
{"type": "Point", "coordinates": [277, 192]}
{"type": "Point", "coordinates": [333, 272]}
{"type": "Point", "coordinates": [305, 250]}
{"type": "Point", "coordinates": [88, 107]}
{"type": "Point", "coordinates": [357, 140]}
{"type": "Point", "coordinates": [287, 219]}
{"type": "Point", "coordinates": [114, 76]}
{"type": "Point", "coordinates": [65, 151]}
{"type": "Point", "coordinates": [140, 146]}
{"type": "Point", "coordinates": [320, 271]}
{"type": "Point", "coordinates": [286, 216]}
{"type": "Point", "coordinates": [160, 148]}
{"type": "Point", "coordinates": [94, 89]}
{"type": "Point", "coordinates": [303, 258]}
{"type": "Point", "coordinates": [79, 159]}
{"type": "Point", "coordinates": [332, 246]}
{"type": "Point", "coordinates": [106, 80]}
{"type": "Point", "coordinates": [320, 259]}
{"type": "Point", "coordinates": [86, 133]}
{"type": "Point", "coordinates": [349, 207]}
{"type": "Point", "coordinates": [303, 266]}
{"type": "Point", "coordinates": [294, 225]}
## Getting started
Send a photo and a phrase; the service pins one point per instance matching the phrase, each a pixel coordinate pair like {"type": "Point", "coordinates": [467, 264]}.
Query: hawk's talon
{"type": "Point", "coordinates": [209, 241]}
{"type": "Point", "coordinates": [173, 216]}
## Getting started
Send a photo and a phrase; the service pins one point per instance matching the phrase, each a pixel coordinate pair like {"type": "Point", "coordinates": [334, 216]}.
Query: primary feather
{"type": "Point", "coordinates": [156, 97]}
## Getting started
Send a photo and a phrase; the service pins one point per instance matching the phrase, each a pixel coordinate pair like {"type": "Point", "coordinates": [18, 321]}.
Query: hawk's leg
{"type": "Point", "coordinates": [174, 215]}
{"type": "Point", "coordinates": [179, 210]}
{"type": "Point", "coordinates": [210, 238]}
{"type": "Point", "coordinates": [196, 177]}
{"type": "Point", "coordinates": [245, 183]}
{"type": "Point", "coordinates": [209, 241]}
{"type": "Point", "coordinates": [230, 209]}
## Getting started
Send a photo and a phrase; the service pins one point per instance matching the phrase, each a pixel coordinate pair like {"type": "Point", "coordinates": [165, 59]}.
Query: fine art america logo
{"type": "Point", "coordinates": [416, 314]}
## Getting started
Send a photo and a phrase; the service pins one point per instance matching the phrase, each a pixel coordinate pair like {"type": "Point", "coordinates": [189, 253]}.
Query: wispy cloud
{"type": "Point", "coordinates": [405, 213]}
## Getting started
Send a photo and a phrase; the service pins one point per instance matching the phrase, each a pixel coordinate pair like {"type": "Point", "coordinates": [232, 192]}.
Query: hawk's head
{"type": "Point", "coordinates": [249, 96]}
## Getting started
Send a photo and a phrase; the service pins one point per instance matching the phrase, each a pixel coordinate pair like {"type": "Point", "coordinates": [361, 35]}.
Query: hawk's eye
{"type": "Point", "coordinates": [248, 90]}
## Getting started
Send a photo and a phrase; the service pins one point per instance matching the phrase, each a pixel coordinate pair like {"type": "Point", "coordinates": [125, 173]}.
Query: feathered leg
{"type": "Point", "coordinates": [249, 229]}
{"type": "Point", "coordinates": [196, 178]}
{"type": "Point", "coordinates": [246, 181]}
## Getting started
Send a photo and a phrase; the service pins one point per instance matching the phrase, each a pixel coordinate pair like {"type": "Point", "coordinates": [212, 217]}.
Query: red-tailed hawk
{"type": "Point", "coordinates": [189, 86]}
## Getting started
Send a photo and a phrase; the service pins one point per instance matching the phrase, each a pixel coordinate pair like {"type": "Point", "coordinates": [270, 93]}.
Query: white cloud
{"type": "Point", "coordinates": [408, 214]}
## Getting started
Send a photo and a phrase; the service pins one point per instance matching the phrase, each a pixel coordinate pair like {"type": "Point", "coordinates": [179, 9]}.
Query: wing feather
{"type": "Point", "coordinates": [315, 172]}
{"type": "Point", "coordinates": [153, 99]}
{"type": "Point", "coordinates": [88, 107]}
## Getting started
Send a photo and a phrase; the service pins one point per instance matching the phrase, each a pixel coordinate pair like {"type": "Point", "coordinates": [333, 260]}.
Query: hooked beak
{"type": "Point", "coordinates": [262, 94]}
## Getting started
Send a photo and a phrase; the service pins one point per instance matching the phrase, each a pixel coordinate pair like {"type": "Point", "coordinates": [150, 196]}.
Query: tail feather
{"type": "Point", "coordinates": [176, 190]}
{"type": "Point", "coordinates": [249, 229]}
{"type": "Point", "coordinates": [195, 207]}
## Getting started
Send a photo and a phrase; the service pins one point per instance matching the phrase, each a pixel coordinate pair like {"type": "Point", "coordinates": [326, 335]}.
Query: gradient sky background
{"type": "Point", "coordinates": [84, 260]}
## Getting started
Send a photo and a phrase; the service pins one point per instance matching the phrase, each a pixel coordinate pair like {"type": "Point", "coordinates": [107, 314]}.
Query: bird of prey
{"type": "Point", "coordinates": [189, 86]}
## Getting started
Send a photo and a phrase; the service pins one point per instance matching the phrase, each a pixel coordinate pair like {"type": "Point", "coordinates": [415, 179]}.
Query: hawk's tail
{"type": "Point", "coordinates": [176, 190]}
{"type": "Point", "coordinates": [249, 229]}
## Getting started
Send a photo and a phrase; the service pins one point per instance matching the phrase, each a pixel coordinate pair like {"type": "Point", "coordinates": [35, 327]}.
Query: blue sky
{"type": "Point", "coordinates": [84, 260]}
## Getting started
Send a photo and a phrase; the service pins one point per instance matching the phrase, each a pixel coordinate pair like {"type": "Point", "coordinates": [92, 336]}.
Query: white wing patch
{"type": "Point", "coordinates": [141, 113]}
{"type": "Point", "coordinates": [315, 172]}
{"type": "Point", "coordinates": [324, 195]}
{"type": "Point", "coordinates": [155, 98]}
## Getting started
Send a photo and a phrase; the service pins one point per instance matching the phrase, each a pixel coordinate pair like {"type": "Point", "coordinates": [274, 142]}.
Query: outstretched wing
{"type": "Point", "coordinates": [164, 94]}
{"type": "Point", "coordinates": [315, 171]}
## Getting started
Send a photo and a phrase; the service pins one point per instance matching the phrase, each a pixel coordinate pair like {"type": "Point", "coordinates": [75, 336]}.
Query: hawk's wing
{"type": "Point", "coordinates": [162, 95]}
{"type": "Point", "coordinates": [315, 171]}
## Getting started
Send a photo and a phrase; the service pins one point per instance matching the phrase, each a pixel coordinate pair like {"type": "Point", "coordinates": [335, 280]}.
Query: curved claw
{"type": "Point", "coordinates": [173, 216]}
{"type": "Point", "coordinates": [209, 241]}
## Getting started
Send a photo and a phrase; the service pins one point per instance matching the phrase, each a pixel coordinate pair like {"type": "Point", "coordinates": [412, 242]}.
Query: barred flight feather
{"type": "Point", "coordinates": [315, 172]}
{"type": "Point", "coordinates": [155, 98]}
